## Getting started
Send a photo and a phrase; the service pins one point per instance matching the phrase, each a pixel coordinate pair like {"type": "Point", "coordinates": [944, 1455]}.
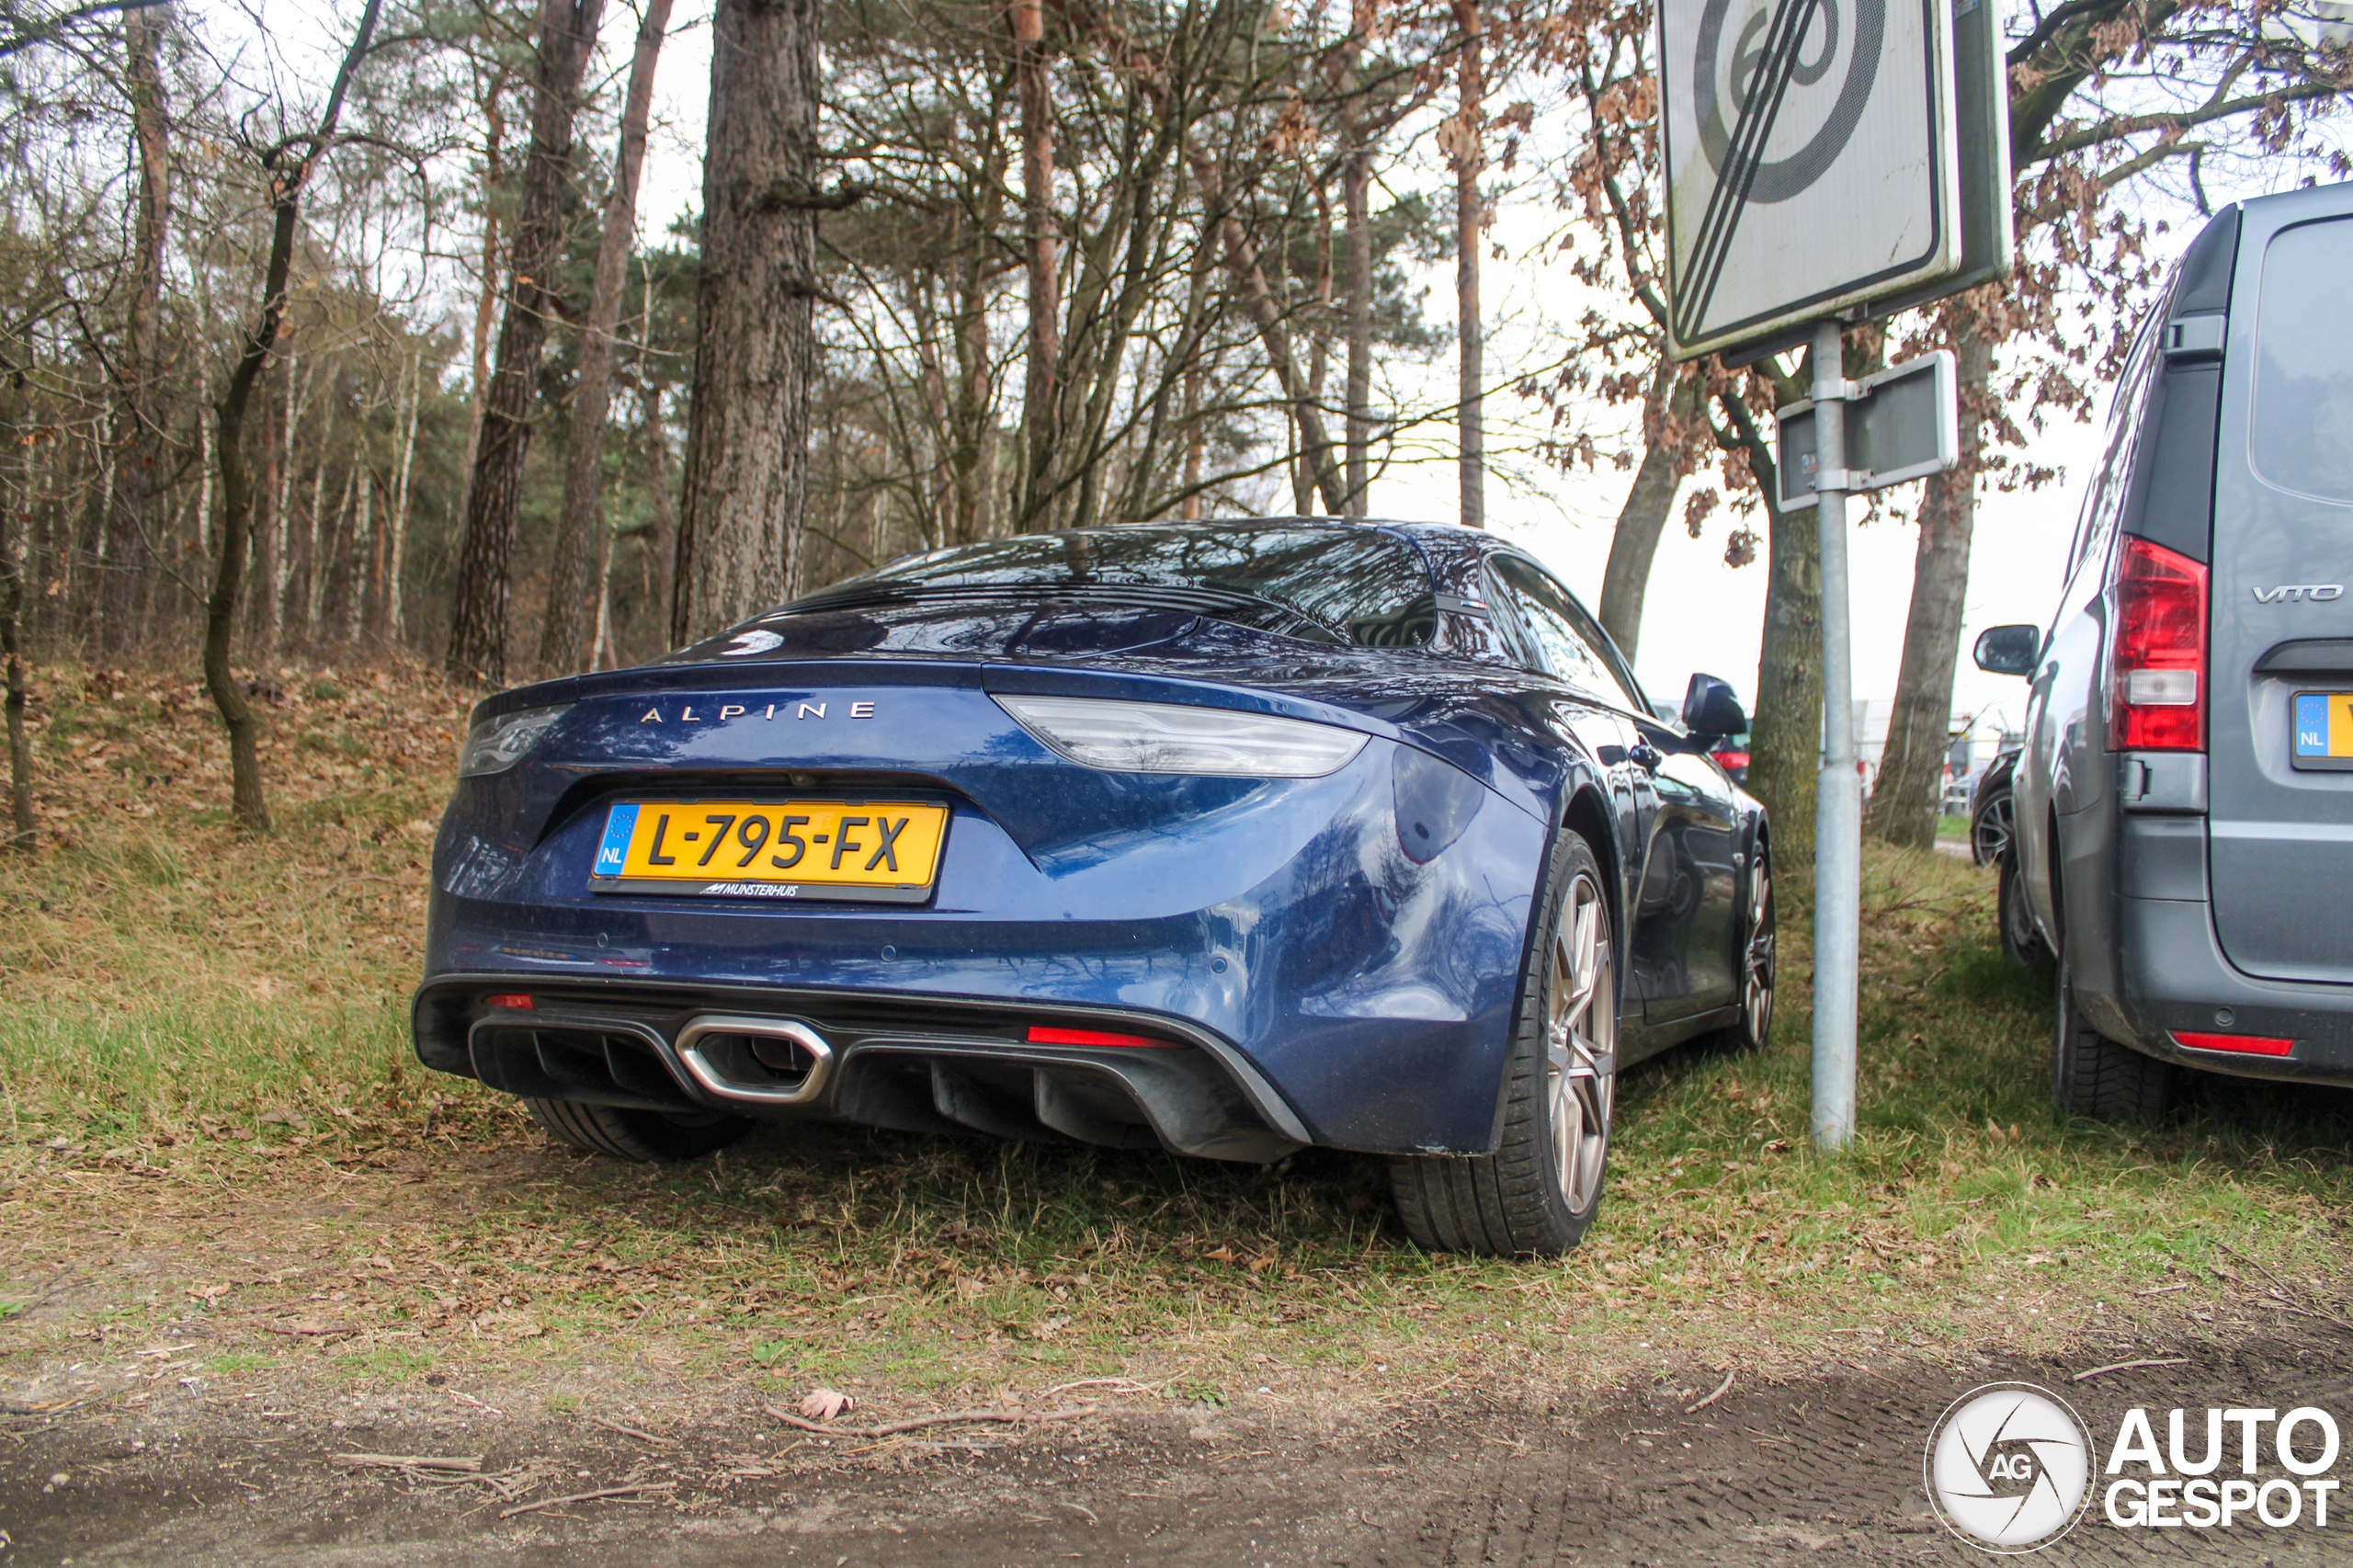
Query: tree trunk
{"type": "Point", "coordinates": [747, 431]}
{"type": "Point", "coordinates": [330, 575]}
{"type": "Point", "coordinates": [367, 556]}
{"type": "Point", "coordinates": [393, 630]}
{"type": "Point", "coordinates": [1241, 254]}
{"type": "Point", "coordinates": [1633, 543]}
{"type": "Point", "coordinates": [12, 600]}
{"type": "Point", "coordinates": [351, 605]}
{"type": "Point", "coordinates": [600, 644]}
{"type": "Point", "coordinates": [1785, 728]}
{"type": "Point", "coordinates": [1906, 796]}
{"type": "Point", "coordinates": [1468, 238]}
{"type": "Point", "coordinates": [280, 575]}
{"type": "Point", "coordinates": [493, 144]}
{"type": "Point", "coordinates": [975, 457]}
{"type": "Point", "coordinates": [262, 608]}
{"type": "Point", "coordinates": [314, 566]}
{"type": "Point", "coordinates": [662, 546]}
{"type": "Point", "coordinates": [567, 633]}
{"type": "Point", "coordinates": [486, 547]}
{"type": "Point", "coordinates": [1040, 412]}
{"type": "Point", "coordinates": [1319, 338]}
{"type": "Point", "coordinates": [247, 805]}
{"type": "Point", "coordinates": [131, 517]}
{"type": "Point", "coordinates": [203, 492]}
{"type": "Point", "coordinates": [1356, 221]}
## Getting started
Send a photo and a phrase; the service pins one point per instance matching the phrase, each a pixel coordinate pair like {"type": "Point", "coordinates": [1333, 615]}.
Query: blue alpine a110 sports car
{"type": "Point", "coordinates": [1223, 839]}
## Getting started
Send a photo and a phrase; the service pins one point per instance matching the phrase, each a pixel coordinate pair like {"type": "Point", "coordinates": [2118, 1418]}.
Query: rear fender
{"type": "Point", "coordinates": [1583, 812]}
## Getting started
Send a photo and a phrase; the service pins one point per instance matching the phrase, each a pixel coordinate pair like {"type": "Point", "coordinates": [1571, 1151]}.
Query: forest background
{"type": "Point", "coordinates": [347, 331]}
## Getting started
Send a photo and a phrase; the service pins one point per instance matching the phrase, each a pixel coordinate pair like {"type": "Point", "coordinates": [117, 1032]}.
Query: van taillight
{"type": "Point", "coordinates": [2156, 672]}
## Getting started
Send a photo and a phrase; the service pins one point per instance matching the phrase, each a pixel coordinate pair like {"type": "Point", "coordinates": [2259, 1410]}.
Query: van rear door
{"type": "Point", "coordinates": [2279, 698]}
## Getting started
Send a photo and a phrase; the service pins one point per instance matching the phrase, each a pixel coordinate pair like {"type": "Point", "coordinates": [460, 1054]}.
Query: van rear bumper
{"type": "Point", "coordinates": [2171, 974]}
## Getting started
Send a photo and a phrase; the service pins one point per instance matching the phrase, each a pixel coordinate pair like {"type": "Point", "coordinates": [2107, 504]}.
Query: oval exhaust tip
{"type": "Point", "coordinates": [752, 1060]}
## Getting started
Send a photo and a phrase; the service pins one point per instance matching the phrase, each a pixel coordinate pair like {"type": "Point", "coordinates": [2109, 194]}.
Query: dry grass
{"type": "Point", "coordinates": [204, 1076]}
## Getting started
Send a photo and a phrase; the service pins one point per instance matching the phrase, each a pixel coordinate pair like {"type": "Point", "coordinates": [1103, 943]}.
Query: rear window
{"type": "Point", "coordinates": [1367, 587]}
{"type": "Point", "coordinates": [2302, 429]}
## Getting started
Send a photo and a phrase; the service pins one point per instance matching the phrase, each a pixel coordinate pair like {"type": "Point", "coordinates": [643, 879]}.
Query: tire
{"type": "Point", "coordinates": [2099, 1078]}
{"type": "Point", "coordinates": [654, 1137]}
{"type": "Point", "coordinates": [1756, 959]}
{"type": "Point", "coordinates": [1989, 828]}
{"type": "Point", "coordinates": [1539, 1192]}
{"type": "Point", "coordinates": [2021, 943]}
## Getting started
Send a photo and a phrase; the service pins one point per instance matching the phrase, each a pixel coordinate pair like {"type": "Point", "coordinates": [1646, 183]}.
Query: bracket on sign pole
{"type": "Point", "coordinates": [1902, 424]}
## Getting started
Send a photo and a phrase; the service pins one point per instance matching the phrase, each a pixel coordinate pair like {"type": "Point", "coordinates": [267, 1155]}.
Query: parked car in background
{"type": "Point", "coordinates": [1731, 755]}
{"type": "Point", "coordinates": [1989, 809]}
{"type": "Point", "coordinates": [1224, 839]}
{"type": "Point", "coordinates": [2182, 824]}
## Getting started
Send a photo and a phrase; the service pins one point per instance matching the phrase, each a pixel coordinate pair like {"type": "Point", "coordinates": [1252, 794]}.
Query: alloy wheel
{"type": "Point", "coordinates": [1990, 834]}
{"type": "Point", "coordinates": [1581, 1045]}
{"type": "Point", "coordinates": [1757, 978]}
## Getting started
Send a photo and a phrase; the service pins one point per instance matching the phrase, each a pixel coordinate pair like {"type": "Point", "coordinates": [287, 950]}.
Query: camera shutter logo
{"type": "Point", "coordinates": [2009, 1467]}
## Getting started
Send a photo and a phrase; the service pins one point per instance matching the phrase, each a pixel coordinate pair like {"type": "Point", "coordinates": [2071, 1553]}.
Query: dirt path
{"type": "Point", "coordinates": [1824, 1467]}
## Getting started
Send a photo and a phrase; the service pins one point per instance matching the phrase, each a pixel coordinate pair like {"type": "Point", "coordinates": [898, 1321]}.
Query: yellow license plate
{"type": "Point", "coordinates": [878, 851]}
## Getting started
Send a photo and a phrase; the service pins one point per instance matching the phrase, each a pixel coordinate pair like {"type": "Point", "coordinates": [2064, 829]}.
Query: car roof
{"type": "Point", "coordinates": [2315, 199]}
{"type": "Point", "coordinates": [1387, 524]}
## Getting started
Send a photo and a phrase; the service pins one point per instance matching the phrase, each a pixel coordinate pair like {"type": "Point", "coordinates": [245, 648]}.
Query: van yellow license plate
{"type": "Point", "coordinates": [2323, 731]}
{"type": "Point", "coordinates": [876, 851]}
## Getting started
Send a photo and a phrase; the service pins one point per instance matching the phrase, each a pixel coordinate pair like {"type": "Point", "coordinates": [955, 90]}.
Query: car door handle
{"type": "Point", "coordinates": [1644, 756]}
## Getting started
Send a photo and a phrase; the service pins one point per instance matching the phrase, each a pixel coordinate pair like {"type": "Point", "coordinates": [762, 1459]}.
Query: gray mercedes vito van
{"type": "Point", "coordinates": [2183, 828]}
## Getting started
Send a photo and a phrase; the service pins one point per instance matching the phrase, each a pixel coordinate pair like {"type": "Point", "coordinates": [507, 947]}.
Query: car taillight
{"type": "Point", "coordinates": [2157, 672]}
{"type": "Point", "coordinates": [1731, 758]}
{"type": "Point", "coordinates": [2250, 1044]}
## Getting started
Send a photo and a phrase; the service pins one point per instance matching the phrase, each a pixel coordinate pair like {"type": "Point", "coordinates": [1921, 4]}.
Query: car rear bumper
{"type": "Point", "coordinates": [907, 1064]}
{"type": "Point", "coordinates": [2171, 975]}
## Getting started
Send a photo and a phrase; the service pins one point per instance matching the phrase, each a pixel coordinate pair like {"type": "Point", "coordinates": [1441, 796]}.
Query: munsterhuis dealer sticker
{"type": "Point", "coordinates": [2011, 1468]}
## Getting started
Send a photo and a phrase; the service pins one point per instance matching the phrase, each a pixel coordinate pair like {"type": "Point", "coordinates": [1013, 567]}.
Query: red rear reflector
{"type": "Point", "coordinates": [507, 999]}
{"type": "Point", "coordinates": [2245, 1044]}
{"type": "Point", "coordinates": [1733, 758]}
{"type": "Point", "coordinates": [1044, 1034]}
{"type": "Point", "coordinates": [2157, 677]}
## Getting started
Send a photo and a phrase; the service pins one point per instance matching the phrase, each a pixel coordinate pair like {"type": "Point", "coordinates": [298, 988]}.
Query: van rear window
{"type": "Point", "coordinates": [2302, 428]}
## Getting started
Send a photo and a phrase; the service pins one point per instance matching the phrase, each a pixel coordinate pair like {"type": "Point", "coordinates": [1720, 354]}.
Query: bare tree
{"type": "Point", "coordinates": [1040, 408]}
{"type": "Point", "coordinates": [1355, 222]}
{"type": "Point", "coordinates": [747, 433]}
{"type": "Point", "coordinates": [132, 518]}
{"type": "Point", "coordinates": [1469, 214]}
{"type": "Point", "coordinates": [397, 566]}
{"type": "Point", "coordinates": [12, 599]}
{"type": "Point", "coordinates": [289, 164]}
{"type": "Point", "coordinates": [567, 636]}
{"type": "Point", "coordinates": [567, 33]}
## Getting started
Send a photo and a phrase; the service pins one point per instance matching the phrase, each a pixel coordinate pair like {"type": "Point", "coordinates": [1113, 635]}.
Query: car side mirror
{"type": "Point", "coordinates": [2008, 650]}
{"type": "Point", "coordinates": [1711, 710]}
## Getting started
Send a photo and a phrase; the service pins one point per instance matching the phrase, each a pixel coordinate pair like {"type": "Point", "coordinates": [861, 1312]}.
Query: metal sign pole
{"type": "Point", "coordinates": [1838, 798]}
